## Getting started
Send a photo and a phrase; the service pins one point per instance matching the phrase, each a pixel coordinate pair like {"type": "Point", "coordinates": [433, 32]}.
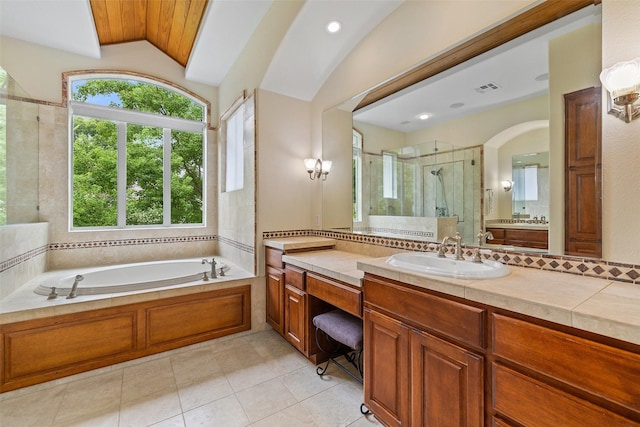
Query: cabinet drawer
{"type": "Point", "coordinates": [335, 293]}
{"type": "Point", "coordinates": [533, 403]}
{"type": "Point", "coordinates": [294, 276]}
{"type": "Point", "coordinates": [455, 320]}
{"type": "Point", "coordinates": [273, 257]}
{"type": "Point", "coordinates": [602, 370]}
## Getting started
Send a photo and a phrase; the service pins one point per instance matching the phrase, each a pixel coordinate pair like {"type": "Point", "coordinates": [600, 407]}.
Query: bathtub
{"type": "Point", "coordinates": [130, 277]}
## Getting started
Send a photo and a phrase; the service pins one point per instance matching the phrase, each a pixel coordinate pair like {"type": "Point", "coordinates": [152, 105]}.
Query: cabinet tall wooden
{"type": "Point", "coordinates": [583, 173]}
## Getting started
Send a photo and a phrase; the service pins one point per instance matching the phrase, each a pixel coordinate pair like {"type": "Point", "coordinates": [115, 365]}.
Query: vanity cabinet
{"type": "Point", "coordinates": [295, 309]}
{"type": "Point", "coordinates": [290, 308]}
{"type": "Point", "coordinates": [436, 360]}
{"type": "Point", "coordinates": [275, 298]}
{"type": "Point", "coordinates": [578, 381]}
{"type": "Point", "coordinates": [424, 357]}
{"type": "Point", "coordinates": [538, 239]}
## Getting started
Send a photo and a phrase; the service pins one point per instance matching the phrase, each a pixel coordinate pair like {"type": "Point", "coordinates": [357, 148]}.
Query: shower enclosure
{"type": "Point", "coordinates": [430, 180]}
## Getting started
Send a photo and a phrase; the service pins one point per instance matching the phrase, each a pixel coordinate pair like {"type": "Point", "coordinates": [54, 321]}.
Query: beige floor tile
{"type": "Point", "coordinates": [81, 408]}
{"type": "Point", "coordinates": [147, 379]}
{"type": "Point", "coordinates": [225, 412]}
{"type": "Point", "coordinates": [286, 362]}
{"type": "Point", "coordinates": [177, 421]}
{"type": "Point", "coordinates": [337, 406]}
{"type": "Point", "coordinates": [109, 419]}
{"type": "Point", "coordinates": [33, 409]}
{"type": "Point", "coordinates": [293, 416]}
{"type": "Point", "coordinates": [366, 421]}
{"type": "Point", "coordinates": [149, 409]}
{"type": "Point", "coordinates": [265, 399]}
{"type": "Point", "coordinates": [192, 365]}
{"type": "Point", "coordinates": [304, 382]}
{"type": "Point", "coordinates": [238, 357]}
{"type": "Point", "coordinates": [203, 390]}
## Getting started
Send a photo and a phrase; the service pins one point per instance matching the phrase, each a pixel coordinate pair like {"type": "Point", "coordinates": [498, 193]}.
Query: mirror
{"type": "Point", "coordinates": [19, 135]}
{"type": "Point", "coordinates": [530, 190]}
{"type": "Point", "coordinates": [502, 103]}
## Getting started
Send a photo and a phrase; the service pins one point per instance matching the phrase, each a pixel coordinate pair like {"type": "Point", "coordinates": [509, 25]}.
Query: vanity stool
{"type": "Point", "coordinates": [344, 332]}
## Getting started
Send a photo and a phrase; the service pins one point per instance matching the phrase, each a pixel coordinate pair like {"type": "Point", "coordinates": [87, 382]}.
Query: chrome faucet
{"type": "Point", "coordinates": [458, 252]}
{"type": "Point", "coordinates": [74, 287]}
{"type": "Point", "coordinates": [213, 267]}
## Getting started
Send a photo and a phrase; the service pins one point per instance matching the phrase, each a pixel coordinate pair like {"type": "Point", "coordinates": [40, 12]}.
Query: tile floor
{"type": "Point", "coordinates": [250, 380]}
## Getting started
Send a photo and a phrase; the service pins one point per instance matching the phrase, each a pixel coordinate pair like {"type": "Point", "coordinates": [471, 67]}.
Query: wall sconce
{"type": "Point", "coordinates": [318, 168]}
{"type": "Point", "coordinates": [623, 83]}
{"type": "Point", "coordinates": [506, 184]}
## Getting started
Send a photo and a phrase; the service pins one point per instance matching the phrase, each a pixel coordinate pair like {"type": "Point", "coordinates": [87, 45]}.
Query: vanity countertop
{"type": "Point", "coordinates": [338, 265]}
{"type": "Point", "coordinates": [596, 305]}
{"type": "Point", "coordinates": [300, 242]}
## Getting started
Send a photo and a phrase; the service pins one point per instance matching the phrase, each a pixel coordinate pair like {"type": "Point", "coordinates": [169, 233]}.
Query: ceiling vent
{"type": "Point", "coordinates": [487, 87]}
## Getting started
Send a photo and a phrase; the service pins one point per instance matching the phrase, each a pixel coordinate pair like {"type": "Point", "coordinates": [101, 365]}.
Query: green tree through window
{"type": "Point", "coordinates": [138, 155]}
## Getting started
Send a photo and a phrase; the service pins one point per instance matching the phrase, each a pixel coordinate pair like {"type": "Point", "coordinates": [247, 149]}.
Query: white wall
{"type": "Point", "coordinates": [620, 141]}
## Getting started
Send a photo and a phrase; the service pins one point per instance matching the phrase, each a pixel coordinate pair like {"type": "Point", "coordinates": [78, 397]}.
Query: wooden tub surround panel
{"type": "Point", "coordinates": [39, 350]}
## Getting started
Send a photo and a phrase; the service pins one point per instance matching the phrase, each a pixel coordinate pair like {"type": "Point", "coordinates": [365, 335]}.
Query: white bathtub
{"type": "Point", "coordinates": [130, 277]}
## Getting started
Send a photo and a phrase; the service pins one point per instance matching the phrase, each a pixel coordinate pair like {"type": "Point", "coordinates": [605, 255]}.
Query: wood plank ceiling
{"type": "Point", "coordinates": [170, 25]}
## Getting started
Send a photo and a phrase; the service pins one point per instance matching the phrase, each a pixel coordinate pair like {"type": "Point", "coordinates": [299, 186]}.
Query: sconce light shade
{"type": "Point", "coordinates": [316, 168]}
{"type": "Point", "coordinates": [506, 184]}
{"type": "Point", "coordinates": [622, 81]}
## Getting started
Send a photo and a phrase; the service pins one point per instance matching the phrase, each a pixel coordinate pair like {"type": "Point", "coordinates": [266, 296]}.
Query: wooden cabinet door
{"type": "Point", "coordinates": [447, 386]}
{"type": "Point", "coordinates": [275, 299]}
{"type": "Point", "coordinates": [386, 366]}
{"type": "Point", "coordinates": [295, 305]}
{"type": "Point", "coordinates": [583, 173]}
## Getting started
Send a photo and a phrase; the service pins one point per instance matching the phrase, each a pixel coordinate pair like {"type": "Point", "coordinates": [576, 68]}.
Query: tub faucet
{"type": "Point", "coordinates": [214, 275]}
{"type": "Point", "coordinates": [74, 287]}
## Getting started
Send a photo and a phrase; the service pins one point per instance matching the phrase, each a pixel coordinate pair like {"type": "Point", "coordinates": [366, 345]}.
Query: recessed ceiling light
{"type": "Point", "coordinates": [333, 27]}
{"type": "Point", "coordinates": [424, 116]}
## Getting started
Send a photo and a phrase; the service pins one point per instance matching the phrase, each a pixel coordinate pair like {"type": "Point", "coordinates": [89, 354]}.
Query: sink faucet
{"type": "Point", "coordinates": [213, 267]}
{"type": "Point", "coordinates": [482, 238]}
{"type": "Point", "coordinates": [458, 253]}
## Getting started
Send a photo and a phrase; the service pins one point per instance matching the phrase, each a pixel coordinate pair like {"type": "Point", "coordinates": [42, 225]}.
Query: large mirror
{"type": "Point", "coordinates": [431, 159]}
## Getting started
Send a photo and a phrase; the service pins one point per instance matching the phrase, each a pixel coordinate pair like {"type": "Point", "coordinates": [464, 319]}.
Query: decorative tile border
{"type": "Point", "coordinates": [129, 242]}
{"type": "Point", "coordinates": [12, 262]}
{"type": "Point", "coordinates": [609, 270]}
{"type": "Point", "coordinates": [397, 232]}
{"type": "Point", "coordinates": [238, 245]}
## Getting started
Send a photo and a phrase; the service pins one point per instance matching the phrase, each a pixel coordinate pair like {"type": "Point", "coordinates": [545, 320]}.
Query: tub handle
{"type": "Point", "coordinates": [53, 294]}
{"type": "Point", "coordinates": [204, 276]}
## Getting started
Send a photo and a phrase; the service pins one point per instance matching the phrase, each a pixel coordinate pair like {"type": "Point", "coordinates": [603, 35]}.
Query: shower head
{"type": "Point", "coordinates": [436, 172]}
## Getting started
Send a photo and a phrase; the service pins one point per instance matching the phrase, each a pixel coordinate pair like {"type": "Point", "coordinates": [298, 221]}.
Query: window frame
{"type": "Point", "coordinates": [121, 117]}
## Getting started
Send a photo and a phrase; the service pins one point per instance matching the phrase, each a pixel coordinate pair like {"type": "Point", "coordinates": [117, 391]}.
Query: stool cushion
{"type": "Point", "coordinates": [342, 327]}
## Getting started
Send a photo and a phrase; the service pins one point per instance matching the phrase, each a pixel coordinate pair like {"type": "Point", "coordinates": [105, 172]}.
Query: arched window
{"type": "Point", "coordinates": [138, 150]}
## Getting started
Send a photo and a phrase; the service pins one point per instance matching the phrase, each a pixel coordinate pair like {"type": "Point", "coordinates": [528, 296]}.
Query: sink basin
{"type": "Point", "coordinates": [430, 263]}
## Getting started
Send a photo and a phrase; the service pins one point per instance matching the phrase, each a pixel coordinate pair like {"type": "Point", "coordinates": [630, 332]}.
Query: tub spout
{"type": "Point", "coordinates": [214, 274]}
{"type": "Point", "coordinates": [74, 287]}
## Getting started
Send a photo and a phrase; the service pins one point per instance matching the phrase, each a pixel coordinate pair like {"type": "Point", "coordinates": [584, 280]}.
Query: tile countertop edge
{"type": "Point", "coordinates": [605, 324]}
{"type": "Point", "coordinates": [299, 242]}
{"type": "Point", "coordinates": [307, 261]}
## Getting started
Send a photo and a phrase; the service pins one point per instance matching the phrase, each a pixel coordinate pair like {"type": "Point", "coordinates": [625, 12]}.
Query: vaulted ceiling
{"type": "Point", "coordinates": [170, 25]}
